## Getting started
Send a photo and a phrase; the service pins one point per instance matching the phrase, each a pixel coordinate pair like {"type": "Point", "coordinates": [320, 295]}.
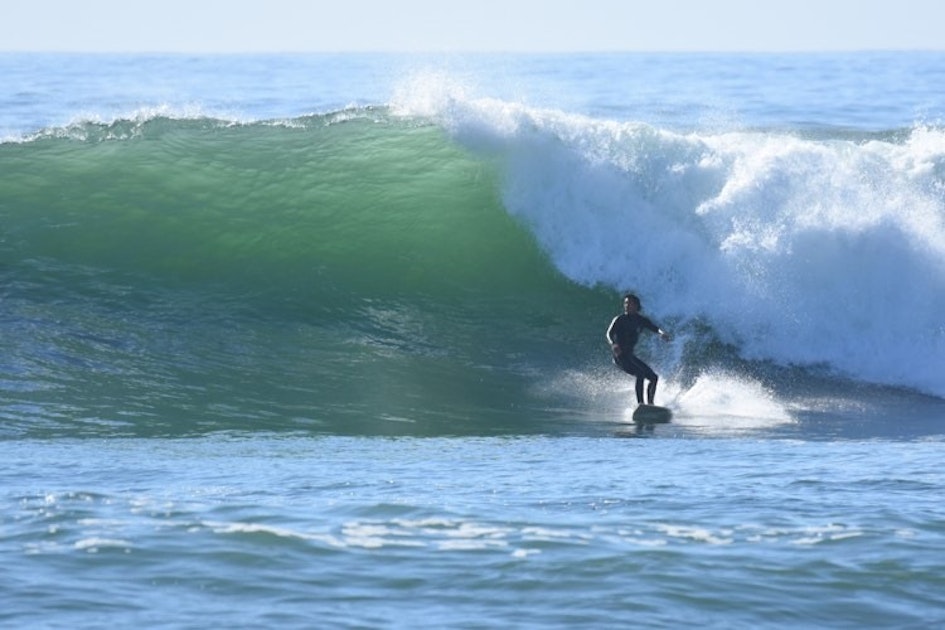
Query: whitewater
{"type": "Point", "coordinates": [319, 340]}
{"type": "Point", "coordinates": [822, 248]}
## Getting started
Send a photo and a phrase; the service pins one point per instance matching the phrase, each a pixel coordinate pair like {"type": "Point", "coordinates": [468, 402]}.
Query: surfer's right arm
{"type": "Point", "coordinates": [612, 337]}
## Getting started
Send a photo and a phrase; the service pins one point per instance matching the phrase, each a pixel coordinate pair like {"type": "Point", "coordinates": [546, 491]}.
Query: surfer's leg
{"type": "Point", "coordinates": [644, 371]}
{"type": "Point", "coordinates": [651, 390]}
{"type": "Point", "coordinates": [633, 365]}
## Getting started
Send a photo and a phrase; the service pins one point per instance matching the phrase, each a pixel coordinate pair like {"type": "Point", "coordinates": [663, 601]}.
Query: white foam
{"type": "Point", "coordinates": [95, 544]}
{"type": "Point", "coordinates": [796, 250]}
{"type": "Point", "coordinates": [721, 401]}
{"type": "Point", "coordinates": [695, 534]}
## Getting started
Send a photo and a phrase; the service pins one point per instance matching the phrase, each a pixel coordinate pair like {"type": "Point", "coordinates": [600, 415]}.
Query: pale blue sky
{"type": "Point", "coordinates": [471, 25]}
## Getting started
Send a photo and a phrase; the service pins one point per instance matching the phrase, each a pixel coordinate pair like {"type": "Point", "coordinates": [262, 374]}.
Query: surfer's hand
{"type": "Point", "coordinates": [665, 336]}
{"type": "Point", "coordinates": [616, 349]}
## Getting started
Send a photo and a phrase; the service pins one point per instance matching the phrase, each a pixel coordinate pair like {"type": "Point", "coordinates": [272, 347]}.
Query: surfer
{"type": "Point", "coordinates": [622, 334]}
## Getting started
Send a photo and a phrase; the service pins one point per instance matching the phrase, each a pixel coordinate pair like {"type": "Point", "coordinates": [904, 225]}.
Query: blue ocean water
{"type": "Point", "coordinates": [318, 340]}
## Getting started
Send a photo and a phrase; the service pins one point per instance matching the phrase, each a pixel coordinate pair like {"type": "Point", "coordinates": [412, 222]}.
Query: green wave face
{"type": "Point", "coordinates": [343, 274]}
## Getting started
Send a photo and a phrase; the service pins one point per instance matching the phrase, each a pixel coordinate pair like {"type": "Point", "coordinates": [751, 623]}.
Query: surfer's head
{"type": "Point", "coordinates": [631, 301]}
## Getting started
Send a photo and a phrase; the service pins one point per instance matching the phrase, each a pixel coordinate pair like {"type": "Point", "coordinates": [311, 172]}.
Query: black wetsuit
{"type": "Point", "coordinates": [625, 331]}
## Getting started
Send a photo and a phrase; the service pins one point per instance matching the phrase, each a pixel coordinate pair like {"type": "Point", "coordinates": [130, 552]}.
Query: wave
{"type": "Point", "coordinates": [350, 272]}
{"type": "Point", "coordinates": [433, 265]}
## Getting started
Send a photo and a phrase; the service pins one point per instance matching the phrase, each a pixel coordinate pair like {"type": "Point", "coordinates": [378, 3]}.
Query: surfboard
{"type": "Point", "coordinates": [652, 414]}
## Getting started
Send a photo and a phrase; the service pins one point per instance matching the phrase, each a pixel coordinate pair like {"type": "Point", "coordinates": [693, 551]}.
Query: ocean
{"type": "Point", "coordinates": [318, 340]}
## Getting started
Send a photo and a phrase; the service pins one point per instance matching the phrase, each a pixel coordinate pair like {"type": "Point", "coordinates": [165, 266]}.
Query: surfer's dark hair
{"type": "Point", "coordinates": [632, 297]}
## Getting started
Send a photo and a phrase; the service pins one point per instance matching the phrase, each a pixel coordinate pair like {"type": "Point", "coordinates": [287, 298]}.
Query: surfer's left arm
{"type": "Point", "coordinates": [665, 336]}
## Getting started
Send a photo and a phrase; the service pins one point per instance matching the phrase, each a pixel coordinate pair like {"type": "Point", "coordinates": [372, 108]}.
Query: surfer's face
{"type": "Point", "coordinates": [630, 306]}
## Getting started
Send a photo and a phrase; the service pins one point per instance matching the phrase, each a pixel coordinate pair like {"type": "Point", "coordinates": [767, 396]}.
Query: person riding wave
{"type": "Point", "coordinates": [623, 334]}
